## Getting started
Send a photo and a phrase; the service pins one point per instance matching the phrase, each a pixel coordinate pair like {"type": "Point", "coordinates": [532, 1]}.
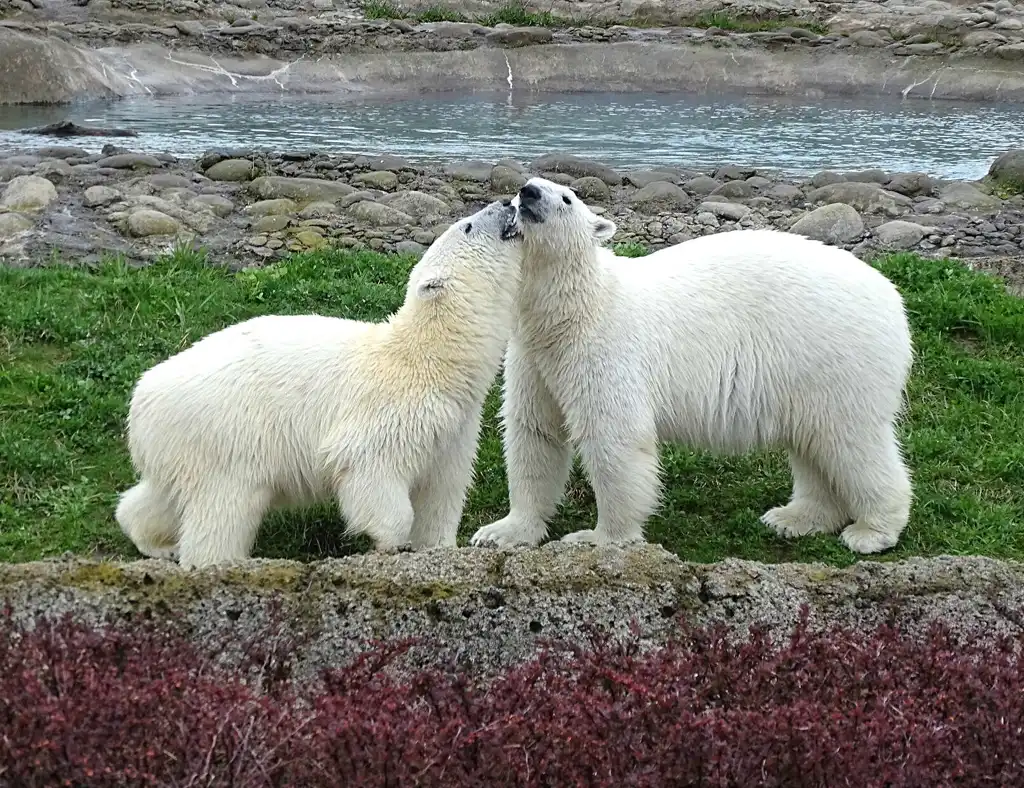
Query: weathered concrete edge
{"type": "Point", "coordinates": [484, 610]}
{"type": "Point", "coordinates": [75, 73]}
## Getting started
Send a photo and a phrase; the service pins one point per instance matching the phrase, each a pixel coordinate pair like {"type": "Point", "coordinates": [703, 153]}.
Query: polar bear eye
{"type": "Point", "coordinates": [469, 227]}
{"type": "Point", "coordinates": [566, 199]}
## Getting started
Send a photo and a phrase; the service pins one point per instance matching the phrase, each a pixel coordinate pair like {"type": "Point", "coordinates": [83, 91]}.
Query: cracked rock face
{"type": "Point", "coordinates": [488, 609]}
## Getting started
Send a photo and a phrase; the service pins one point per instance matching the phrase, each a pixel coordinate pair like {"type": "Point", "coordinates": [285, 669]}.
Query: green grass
{"type": "Point", "coordinates": [511, 14]}
{"type": "Point", "coordinates": [516, 14]}
{"type": "Point", "coordinates": [73, 341]}
{"type": "Point", "coordinates": [759, 23]}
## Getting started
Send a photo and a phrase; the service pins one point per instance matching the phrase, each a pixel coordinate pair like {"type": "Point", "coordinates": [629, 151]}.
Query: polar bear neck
{"type": "Point", "coordinates": [562, 289]}
{"type": "Point", "coordinates": [450, 345]}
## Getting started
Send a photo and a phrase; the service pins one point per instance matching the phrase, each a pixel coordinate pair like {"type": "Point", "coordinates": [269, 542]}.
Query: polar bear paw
{"type": "Point", "coordinates": [160, 553]}
{"type": "Point", "coordinates": [593, 536]}
{"type": "Point", "coordinates": [864, 537]}
{"type": "Point", "coordinates": [802, 519]}
{"type": "Point", "coordinates": [509, 532]}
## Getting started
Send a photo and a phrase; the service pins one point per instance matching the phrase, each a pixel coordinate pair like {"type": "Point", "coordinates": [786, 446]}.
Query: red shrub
{"type": "Point", "coordinates": [126, 708]}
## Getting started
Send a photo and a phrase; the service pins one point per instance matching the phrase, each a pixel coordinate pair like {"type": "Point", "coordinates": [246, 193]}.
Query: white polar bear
{"type": "Point", "coordinates": [729, 342]}
{"type": "Point", "coordinates": [288, 410]}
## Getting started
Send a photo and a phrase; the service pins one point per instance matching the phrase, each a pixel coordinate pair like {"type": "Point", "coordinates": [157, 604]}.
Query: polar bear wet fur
{"type": "Point", "coordinates": [730, 342]}
{"type": "Point", "coordinates": [288, 410]}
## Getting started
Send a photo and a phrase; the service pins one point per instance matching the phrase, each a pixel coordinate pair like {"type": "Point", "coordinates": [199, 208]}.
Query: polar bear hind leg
{"type": "Point", "coordinates": [813, 508]}
{"type": "Point", "coordinates": [219, 524]}
{"type": "Point", "coordinates": [147, 517]}
{"type": "Point", "coordinates": [870, 478]}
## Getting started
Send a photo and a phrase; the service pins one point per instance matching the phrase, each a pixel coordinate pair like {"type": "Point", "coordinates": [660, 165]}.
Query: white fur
{"type": "Point", "coordinates": [730, 342]}
{"type": "Point", "coordinates": [288, 410]}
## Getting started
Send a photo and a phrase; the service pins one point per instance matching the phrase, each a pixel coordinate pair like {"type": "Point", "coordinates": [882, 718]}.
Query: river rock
{"type": "Point", "coordinates": [282, 205]}
{"type": "Point", "coordinates": [385, 180]}
{"type": "Point", "coordinates": [318, 210]}
{"type": "Point", "coordinates": [1009, 168]}
{"type": "Point", "coordinates": [270, 187]}
{"type": "Point", "coordinates": [13, 224]}
{"type": "Point", "coordinates": [640, 178]}
{"type": "Point", "coordinates": [232, 170]}
{"type": "Point", "coordinates": [384, 162]}
{"type": "Point", "coordinates": [146, 222]}
{"type": "Point", "coordinates": [784, 192]}
{"type": "Point", "coordinates": [961, 194]}
{"type": "Point", "coordinates": [702, 184]}
{"type": "Point", "coordinates": [591, 188]}
{"type": "Point", "coordinates": [734, 190]}
{"type": "Point", "coordinates": [730, 211]}
{"type": "Point", "coordinates": [475, 171]}
{"type": "Point", "coordinates": [96, 196]}
{"type": "Point", "coordinates": [28, 193]}
{"type": "Point", "coordinates": [130, 161]}
{"type": "Point", "coordinates": [835, 223]}
{"type": "Point", "coordinates": [661, 192]}
{"type": "Point", "coordinates": [271, 223]}
{"type": "Point", "coordinates": [379, 215]}
{"type": "Point", "coordinates": [911, 184]}
{"type": "Point", "coordinates": [219, 206]}
{"type": "Point", "coordinates": [898, 235]}
{"type": "Point", "coordinates": [866, 197]}
{"type": "Point", "coordinates": [418, 205]}
{"type": "Point", "coordinates": [506, 180]}
{"type": "Point", "coordinates": [575, 166]}
{"type": "Point", "coordinates": [311, 239]}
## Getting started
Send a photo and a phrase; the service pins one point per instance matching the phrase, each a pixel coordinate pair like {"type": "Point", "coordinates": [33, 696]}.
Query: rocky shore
{"type": "Point", "coordinates": [248, 207]}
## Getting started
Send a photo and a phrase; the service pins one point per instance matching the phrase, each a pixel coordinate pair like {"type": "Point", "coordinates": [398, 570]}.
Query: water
{"type": "Point", "coordinates": [803, 136]}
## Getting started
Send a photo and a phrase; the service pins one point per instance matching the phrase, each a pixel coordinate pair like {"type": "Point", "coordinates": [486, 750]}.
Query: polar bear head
{"type": "Point", "coordinates": [476, 260]}
{"type": "Point", "coordinates": [555, 222]}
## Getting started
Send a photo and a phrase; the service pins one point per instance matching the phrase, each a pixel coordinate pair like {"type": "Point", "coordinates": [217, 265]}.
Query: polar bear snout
{"type": "Point", "coordinates": [530, 203]}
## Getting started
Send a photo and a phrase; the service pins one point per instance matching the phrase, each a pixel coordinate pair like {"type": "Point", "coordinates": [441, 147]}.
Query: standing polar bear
{"type": "Point", "coordinates": [288, 410]}
{"type": "Point", "coordinates": [729, 342]}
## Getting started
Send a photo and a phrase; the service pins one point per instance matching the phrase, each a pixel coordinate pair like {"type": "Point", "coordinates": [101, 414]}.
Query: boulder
{"type": "Point", "coordinates": [661, 193]}
{"type": "Point", "coordinates": [28, 193]}
{"type": "Point", "coordinates": [865, 197]}
{"type": "Point", "coordinates": [591, 188]}
{"type": "Point", "coordinates": [1008, 169]}
{"type": "Point", "coordinates": [835, 223]}
{"type": "Point", "coordinates": [575, 166]}
{"type": "Point", "coordinates": [232, 170]}
{"type": "Point", "coordinates": [146, 222]}
{"type": "Point", "coordinates": [898, 235]}
{"type": "Point", "coordinates": [378, 215]}
{"type": "Point", "coordinates": [270, 187]}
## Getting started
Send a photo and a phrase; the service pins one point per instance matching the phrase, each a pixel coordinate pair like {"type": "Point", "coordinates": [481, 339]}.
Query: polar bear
{"type": "Point", "coordinates": [287, 410]}
{"type": "Point", "coordinates": [729, 342]}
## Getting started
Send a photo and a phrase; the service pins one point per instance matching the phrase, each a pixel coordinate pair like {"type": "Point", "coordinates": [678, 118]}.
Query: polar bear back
{"type": "Point", "coordinates": [745, 334]}
{"type": "Point", "coordinates": [271, 382]}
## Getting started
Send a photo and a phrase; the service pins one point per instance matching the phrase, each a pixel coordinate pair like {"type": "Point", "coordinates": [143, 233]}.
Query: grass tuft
{"type": "Point", "coordinates": [73, 341]}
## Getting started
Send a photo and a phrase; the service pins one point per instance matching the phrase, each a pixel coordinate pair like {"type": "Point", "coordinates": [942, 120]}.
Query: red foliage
{"type": "Point", "coordinates": [133, 707]}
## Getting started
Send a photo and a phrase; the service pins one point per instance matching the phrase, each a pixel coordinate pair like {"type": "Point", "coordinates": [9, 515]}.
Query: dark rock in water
{"type": "Point", "coordinates": [68, 129]}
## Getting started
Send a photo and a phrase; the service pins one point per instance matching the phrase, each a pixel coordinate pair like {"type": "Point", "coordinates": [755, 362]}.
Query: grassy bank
{"type": "Point", "coordinates": [73, 342]}
{"type": "Point", "coordinates": [517, 14]}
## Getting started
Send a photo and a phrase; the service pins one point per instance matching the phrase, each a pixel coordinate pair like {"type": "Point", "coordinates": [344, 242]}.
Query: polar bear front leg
{"type": "Point", "coordinates": [376, 503]}
{"type": "Point", "coordinates": [439, 497]}
{"type": "Point", "coordinates": [624, 471]}
{"type": "Point", "coordinates": [538, 456]}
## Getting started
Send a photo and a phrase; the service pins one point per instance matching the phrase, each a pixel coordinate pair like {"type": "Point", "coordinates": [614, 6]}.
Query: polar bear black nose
{"type": "Point", "coordinates": [529, 192]}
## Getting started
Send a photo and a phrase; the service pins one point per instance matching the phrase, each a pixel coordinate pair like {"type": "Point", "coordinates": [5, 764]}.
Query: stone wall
{"type": "Point", "coordinates": [487, 609]}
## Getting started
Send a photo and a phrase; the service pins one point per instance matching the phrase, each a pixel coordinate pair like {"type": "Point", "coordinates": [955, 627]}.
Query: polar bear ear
{"type": "Point", "coordinates": [431, 287]}
{"type": "Point", "coordinates": [603, 229]}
